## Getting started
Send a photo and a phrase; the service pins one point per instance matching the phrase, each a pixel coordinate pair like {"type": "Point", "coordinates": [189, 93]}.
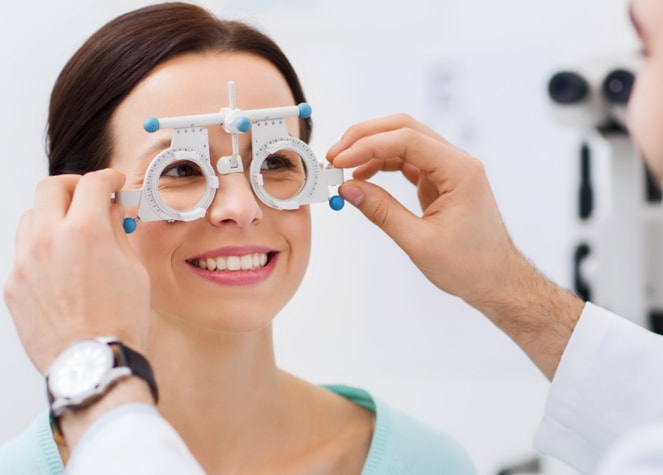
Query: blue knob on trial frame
{"type": "Point", "coordinates": [304, 110]}
{"type": "Point", "coordinates": [336, 202]}
{"type": "Point", "coordinates": [151, 124]}
{"type": "Point", "coordinates": [129, 225]}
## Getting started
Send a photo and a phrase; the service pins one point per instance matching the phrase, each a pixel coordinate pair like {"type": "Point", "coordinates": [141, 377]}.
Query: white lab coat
{"type": "Point", "coordinates": [606, 393]}
{"type": "Point", "coordinates": [640, 452]}
{"type": "Point", "coordinates": [609, 385]}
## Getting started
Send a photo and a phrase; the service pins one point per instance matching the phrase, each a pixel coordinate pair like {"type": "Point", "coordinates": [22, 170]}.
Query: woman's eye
{"type": "Point", "coordinates": [277, 161]}
{"type": "Point", "coordinates": [181, 170]}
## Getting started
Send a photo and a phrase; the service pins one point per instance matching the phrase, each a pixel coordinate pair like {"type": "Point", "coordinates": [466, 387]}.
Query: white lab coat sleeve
{"type": "Point", "coordinates": [609, 382]}
{"type": "Point", "coordinates": [638, 453]}
{"type": "Point", "coordinates": [132, 439]}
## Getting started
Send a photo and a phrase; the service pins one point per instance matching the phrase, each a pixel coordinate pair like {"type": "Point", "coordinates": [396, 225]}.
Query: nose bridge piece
{"type": "Point", "coordinates": [230, 164]}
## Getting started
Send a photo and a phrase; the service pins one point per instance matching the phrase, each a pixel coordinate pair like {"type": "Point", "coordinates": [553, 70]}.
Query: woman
{"type": "Point", "coordinates": [209, 340]}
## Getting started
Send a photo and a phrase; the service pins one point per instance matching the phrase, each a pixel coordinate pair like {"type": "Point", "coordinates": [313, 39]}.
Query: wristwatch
{"type": "Point", "coordinates": [86, 370]}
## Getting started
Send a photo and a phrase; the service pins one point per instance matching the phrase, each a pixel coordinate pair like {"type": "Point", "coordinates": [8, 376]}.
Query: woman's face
{"type": "Point", "coordinates": [646, 103]}
{"type": "Point", "coordinates": [266, 249]}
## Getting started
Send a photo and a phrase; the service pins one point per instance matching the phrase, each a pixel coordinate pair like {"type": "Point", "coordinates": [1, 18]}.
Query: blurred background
{"type": "Point", "coordinates": [476, 71]}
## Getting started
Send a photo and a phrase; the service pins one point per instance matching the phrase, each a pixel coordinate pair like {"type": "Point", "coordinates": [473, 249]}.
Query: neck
{"type": "Point", "coordinates": [222, 392]}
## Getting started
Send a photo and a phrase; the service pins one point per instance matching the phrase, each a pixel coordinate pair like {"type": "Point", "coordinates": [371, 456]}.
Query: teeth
{"type": "Point", "coordinates": [233, 263]}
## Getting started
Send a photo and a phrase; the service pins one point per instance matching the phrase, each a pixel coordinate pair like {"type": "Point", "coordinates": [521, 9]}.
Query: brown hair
{"type": "Point", "coordinates": [123, 52]}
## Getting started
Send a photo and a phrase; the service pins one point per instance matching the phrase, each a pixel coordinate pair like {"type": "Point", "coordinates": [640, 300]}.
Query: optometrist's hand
{"type": "Point", "coordinates": [75, 275]}
{"type": "Point", "coordinates": [459, 242]}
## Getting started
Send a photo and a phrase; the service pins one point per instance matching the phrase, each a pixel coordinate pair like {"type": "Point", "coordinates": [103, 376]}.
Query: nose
{"type": "Point", "coordinates": [234, 203]}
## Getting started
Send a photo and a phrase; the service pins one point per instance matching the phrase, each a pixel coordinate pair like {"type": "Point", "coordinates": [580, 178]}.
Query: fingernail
{"type": "Point", "coordinates": [337, 147]}
{"type": "Point", "coordinates": [352, 194]}
{"type": "Point", "coordinates": [334, 149]}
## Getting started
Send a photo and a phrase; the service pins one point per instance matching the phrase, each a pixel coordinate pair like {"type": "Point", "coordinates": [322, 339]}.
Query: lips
{"type": "Point", "coordinates": [236, 265]}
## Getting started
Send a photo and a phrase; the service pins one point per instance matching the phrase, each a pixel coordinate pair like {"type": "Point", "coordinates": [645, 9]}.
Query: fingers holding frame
{"type": "Point", "coordinates": [447, 178]}
{"type": "Point", "coordinates": [91, 199]}
{"type": "Point", "coordinates": [373, 166]}
{"type": "Point", "coordinates": [53, 197]}
{"type": "Point", "coordinates": [77, 198]}
{"type": "Point", "coordinates": [398, 142]}
{"type": "Point", "coordinates": [379, 125]}
{"type": "Point", "coordinates": [70, 208]}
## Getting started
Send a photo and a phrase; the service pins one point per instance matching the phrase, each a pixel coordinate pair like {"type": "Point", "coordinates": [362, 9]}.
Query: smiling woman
{"type": "Point", "coordinates": [215, 283]}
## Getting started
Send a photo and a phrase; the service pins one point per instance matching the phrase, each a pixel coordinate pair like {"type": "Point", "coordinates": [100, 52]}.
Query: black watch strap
{"type": "Point", "coordinates": [138, 364]}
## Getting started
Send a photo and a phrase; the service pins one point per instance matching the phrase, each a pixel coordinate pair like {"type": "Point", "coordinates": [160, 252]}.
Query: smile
{"type": "Point", "coordinates": [251, 261]}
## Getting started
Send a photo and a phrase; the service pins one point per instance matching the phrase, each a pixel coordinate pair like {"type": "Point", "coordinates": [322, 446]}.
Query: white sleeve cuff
{"type": "Point", "coordinates": [132, 439]}
{"type": "Point", "coordinates": [609, 380]}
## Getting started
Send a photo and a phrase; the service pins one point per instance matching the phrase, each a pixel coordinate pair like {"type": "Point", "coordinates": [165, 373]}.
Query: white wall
{"type": "Point", "coordinates": [475, 70]}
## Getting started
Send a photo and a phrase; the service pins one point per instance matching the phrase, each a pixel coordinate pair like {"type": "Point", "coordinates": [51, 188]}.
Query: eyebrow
{"type": "Point", "coordinates": [158, 146]}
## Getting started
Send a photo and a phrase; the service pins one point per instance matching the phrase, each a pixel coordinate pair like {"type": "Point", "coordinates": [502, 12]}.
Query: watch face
{"type": "Point", "coordinates": [80, 368]}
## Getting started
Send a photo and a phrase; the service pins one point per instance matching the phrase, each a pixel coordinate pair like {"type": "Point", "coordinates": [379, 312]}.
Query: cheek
{"type": "Point", "coordinates": [153, 243]}
{"type": "Point", "coordinates": [301, 227]}
{"type": "Point", "coordinates": [296, 227]}
{"type": "Point", "coordinates": [646, 117]}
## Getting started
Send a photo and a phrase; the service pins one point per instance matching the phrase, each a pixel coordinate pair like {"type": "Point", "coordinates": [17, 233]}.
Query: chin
{"type": "Point", "coordinates": [226, 317]}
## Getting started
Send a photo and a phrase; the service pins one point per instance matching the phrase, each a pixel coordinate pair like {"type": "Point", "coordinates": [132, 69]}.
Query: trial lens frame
{"type": "Point", "coordinates": [190, 142]}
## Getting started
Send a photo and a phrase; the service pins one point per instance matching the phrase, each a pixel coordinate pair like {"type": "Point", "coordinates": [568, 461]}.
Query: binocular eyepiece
{"type": "Point", "coordinates": [617, 86]}
{"type": "Point", "coordinates": [594, 94]}
{"type": "Point", "coordinates": [569, 87]}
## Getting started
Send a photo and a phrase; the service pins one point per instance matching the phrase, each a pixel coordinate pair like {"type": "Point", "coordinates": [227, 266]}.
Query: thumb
{"type": "Point", "coordinates": [381, 208]}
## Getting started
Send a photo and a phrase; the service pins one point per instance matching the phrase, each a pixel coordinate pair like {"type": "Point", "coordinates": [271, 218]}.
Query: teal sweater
{"type": "Point", "coordinates": [400, 446]}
